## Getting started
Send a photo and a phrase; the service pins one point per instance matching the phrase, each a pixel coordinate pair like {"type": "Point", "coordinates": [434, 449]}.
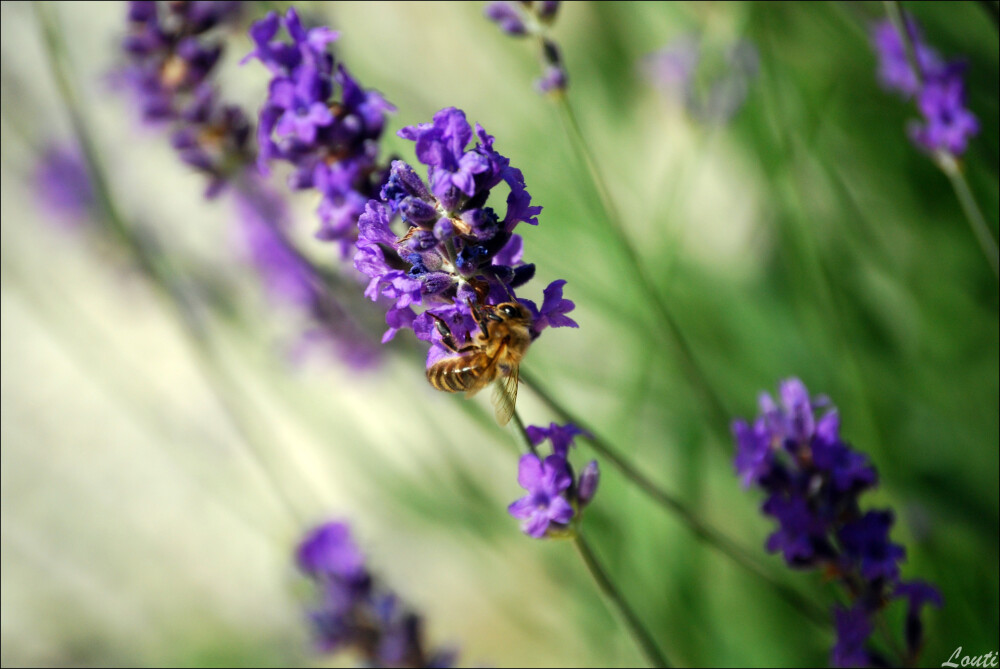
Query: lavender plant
{"type": "Point", "coordinates": [813, 480]}
{"type": "Point", "coordinates": [173, 50]}
{"type": "Point", "coordinates": [434, 250]}
{"type": "Point", "coordinates": [354, 611]}
{"type": "Point", "coordinates": [916, 71]}
{"type": "Point", "coordinates": [936, 86]}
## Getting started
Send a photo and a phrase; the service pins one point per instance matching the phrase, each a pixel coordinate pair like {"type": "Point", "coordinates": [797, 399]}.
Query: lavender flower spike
{"type": "Point", "coordinates": [813, 480]}
{"type": "Point", "coordinates": [454, 251]}
{"type": "Point", "coordinates": [353, 611]}
{"type": "Point", "coordinates": [946, 124]}
{"type": "Point", "coordinates": [172, 58]}
{"type": "Point", "coordinates": [320, 120]}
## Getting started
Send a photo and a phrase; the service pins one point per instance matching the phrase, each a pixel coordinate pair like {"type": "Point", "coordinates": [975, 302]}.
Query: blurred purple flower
{"type": "Point", "coordinates": [62, 185]}
{"type": "Point", "coordinates": [544, 503]}
{"type": "Point", "coordinates": [674, 70]}
{"type": "Point", "coordinates": [813, 480]}
{"type": "Point", "coordinates": [353, 611]}
{"type": "Point", "coordinates": [290, 278]}
{"type": "Point", "coordinates": [946, 124]}
{"type": "Point", "coordinates": [894, 69]}
{"type": "Point", "coordinates": [172, 57]}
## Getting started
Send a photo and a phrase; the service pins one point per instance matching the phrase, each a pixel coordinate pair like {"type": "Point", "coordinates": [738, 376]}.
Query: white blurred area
{"type": "Point", "coordinates": [139, 524]}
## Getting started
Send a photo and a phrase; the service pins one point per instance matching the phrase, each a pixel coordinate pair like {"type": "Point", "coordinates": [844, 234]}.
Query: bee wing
{"type": "Point", "coordinates": [505, 396]}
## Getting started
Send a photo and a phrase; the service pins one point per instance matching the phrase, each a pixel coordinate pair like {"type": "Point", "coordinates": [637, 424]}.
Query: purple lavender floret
{"type": "Point", "coordinates": [947, 124]}
{"type": "Point", "coordinates": [173, 55]}
{"type": "Point", "coordinates": [545, 481]}
{"type": "Point", "coordinates": [813, 480]}
{"type": "Point", "coordinates": [853, 627]}
{"type": "Point", "coordinates": [320, 120]}
{"type": "Point", "coordinates": [62, 185]}
{"type": "Point", "coordinates": [560, 436]}
{"type": "Point", "coordinates": [353, 611]}
{"type": "Point", "coordinates": [894, 71]}
{"type": "Point", "coordinates": [555, 496]}
{"type": "Point", "coordinates": [455, 250]}
{"type": "Point", "coordinates": [939, 90]}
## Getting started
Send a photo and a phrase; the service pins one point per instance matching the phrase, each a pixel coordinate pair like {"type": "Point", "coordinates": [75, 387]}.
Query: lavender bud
{"type": "Point", "coordinates": [508, 17]}
{"type": "Point", "coordinates": [546, 10]}
{"type": "Point", "coordinates": [444, 229]}
{"type": "Point", "coordinates": [587, 486]}
{"type": "Point", "coordinates": [417, 211]}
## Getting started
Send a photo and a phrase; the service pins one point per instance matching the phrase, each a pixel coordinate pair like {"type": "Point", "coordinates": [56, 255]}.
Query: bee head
{"type": "Point", "coordinates": [510, 311]}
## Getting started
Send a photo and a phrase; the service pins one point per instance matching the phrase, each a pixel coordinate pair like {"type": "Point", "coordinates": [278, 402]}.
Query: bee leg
{"type": "Point", "coordinates": [447, 338]}
{"type": "Point", "coordinates": [479, 314]}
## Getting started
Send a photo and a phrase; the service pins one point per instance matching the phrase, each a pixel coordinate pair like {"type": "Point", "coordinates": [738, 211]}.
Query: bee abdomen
{"type": "Point", "coordinates": [451, 376]}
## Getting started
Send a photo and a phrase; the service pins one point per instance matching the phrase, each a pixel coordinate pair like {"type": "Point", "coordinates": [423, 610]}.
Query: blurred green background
{"type": "Point", "coordinates": [806, 237]}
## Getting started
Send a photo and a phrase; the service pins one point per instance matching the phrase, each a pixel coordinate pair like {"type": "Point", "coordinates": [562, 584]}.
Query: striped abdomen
{"type": "Point", "coordinates": [463, 373]}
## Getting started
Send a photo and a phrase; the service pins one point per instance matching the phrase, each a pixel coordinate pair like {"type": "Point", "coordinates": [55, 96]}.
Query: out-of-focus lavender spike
{"type": "Point", "coordinates": [172, 55]}
{"type": "Point", "coordinates": [813, 479]}
{"type": "Point", "coordinates": [674, 71]}
{"type": "Point", "coordinates": [291, 279]}
{"type": "Point", "coordinates": [939, 89]}
{"type": "Point", "coordinates": [354, 611]}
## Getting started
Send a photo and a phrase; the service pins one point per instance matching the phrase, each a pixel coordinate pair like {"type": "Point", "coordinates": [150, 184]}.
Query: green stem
{"type": "Point", "coordinates": [649, 648]}
{"type": "Point", "coordinates": [154, 263]}
{"type": "Point", "coordinates": [522, 435]}
{"type": "Point", "coordinates": [670, 330]}
{"type": "Point", "coordinates": [702, 531]}
{"type": "Point", "coordinates": [973, 214]}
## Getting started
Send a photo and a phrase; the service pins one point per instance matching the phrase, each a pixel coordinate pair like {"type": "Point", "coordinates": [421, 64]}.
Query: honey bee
{"type": "Point", "coordinates": [494, 355]}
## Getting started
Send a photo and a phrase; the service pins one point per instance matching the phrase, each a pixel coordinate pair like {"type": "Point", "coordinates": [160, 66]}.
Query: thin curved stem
{"type": "Point", "coordinates": [973, 213]}
{"type": "Point", "coordinates": [672, 334]}
{"type": "Point", "coordinates": [704, 532]}
{"type": "Point", "coordinates": [642, 636]}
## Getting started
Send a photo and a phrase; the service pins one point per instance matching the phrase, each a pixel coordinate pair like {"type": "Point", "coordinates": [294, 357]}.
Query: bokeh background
{"type": "Point", "coordinates": [143, 519]}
